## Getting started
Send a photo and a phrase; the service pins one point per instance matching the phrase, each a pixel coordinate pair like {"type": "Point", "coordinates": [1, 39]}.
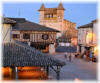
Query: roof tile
{"type": "Point", "coordinates": [16, 53]}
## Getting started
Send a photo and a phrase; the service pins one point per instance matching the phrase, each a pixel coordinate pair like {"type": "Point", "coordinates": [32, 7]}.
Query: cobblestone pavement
{"type": "Point", "coordinates": [77, 69]}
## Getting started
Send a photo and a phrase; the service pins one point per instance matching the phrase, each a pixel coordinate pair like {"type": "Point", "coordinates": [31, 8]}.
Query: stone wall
{"type": "Point", "coordinates": [59, 24]}
{"type": "Point", "coordinates": [69, 28]}
{"type": "Point", "coordinates": [55, 23]}
{"type": "Point", "coordinates": [66, 28]}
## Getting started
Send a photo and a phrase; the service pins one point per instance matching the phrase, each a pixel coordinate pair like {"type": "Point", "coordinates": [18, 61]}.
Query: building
{"type": "Point", "coordinates": [35, 35]}
{"type": "Point", "coordinates": [19, 57]}
{"type": "Point", "coordinates": [88, 37]}
{"type": "Point", "coordinates": [7, 25]}
{"type": "Point", "coordinates": [20, 62]}
{"type": "Point", "coordinates": [54, 18]}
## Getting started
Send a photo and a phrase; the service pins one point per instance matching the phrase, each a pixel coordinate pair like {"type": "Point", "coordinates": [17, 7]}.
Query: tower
{"type": "Point", "coordinates": [60, 13]}
{"type": "Point", "coordinates": [52, 17]}
{"type": "Point", "coordinates": [41, 10]}
{"type": "Point", "coordinates": [60, 17]}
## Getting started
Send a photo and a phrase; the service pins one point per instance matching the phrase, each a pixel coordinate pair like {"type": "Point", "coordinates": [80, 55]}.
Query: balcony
{"type": "Point", "coordinates": [53, 18]}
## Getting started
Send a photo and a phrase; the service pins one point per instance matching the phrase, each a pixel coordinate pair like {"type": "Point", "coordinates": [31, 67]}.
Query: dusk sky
{"type": "Point", "coordinates": [80, 13]}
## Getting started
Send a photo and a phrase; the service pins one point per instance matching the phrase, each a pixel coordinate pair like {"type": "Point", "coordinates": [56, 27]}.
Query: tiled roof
{"type": "Point", "coordinates": [60, 7]}
{"type": "Point", "coordinates": [8, 21]}
{"type": "Point", "coordinates": [51, 10]}
{"type": "Point", "coordinates": [42, 8]}
{"type": "Point", "coordinates": [19, 54]}
{"type": "Point", "coordinates": [95, 20]}
{"type": "Point", "coordinates": [90, 25]}
{"type": "Point", "coordinates": [69, 21]}
{"type": "Point", "coordinates": [23, 24]}
{"type": "Point", "coordinates": [18, 19]}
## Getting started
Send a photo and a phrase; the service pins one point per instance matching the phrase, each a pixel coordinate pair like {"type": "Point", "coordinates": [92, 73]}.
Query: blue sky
{"type": "Point", "coordinates": [80, 13]}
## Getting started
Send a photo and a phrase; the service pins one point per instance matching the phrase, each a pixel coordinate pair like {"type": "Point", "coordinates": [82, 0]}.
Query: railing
{"type": "Point", "coordinates": [54, 18]}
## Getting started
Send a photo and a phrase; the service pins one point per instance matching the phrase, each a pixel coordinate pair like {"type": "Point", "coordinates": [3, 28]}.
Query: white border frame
{"type": "Point", "coordinates": [73, 1]}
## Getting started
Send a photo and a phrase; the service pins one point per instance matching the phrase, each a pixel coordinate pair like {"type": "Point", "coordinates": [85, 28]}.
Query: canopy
{"type": "Point", "coordinates": [16, 53]}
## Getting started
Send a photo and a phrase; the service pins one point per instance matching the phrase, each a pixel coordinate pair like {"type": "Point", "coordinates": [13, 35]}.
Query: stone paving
{"type": "Point", "coordinates": [77, 69]}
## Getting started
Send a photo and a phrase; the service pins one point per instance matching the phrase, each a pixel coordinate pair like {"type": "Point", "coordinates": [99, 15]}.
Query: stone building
{"type": "Point", "coordinates": [35, 35]}
{"type": "Point", "coordinates": [88, 37]}
{"type": "Point", "coordinates": [54, 18]}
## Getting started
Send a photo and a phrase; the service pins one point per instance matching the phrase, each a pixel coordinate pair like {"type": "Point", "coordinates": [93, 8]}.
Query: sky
{"type": "Point", "coordinates": [79, 13]}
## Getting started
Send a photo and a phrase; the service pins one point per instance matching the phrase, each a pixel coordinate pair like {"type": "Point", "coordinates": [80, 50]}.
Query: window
{"type": "Point", "coordinates": [15, 35]}
{"type": "Point", "coordinates": [45, 36]}
{"type": "Point", "coordinates": [48, 15]}
{"type": "Point", "coordinates": [26, 36]}
{"type": "Point", "coordinates": [51, 15]}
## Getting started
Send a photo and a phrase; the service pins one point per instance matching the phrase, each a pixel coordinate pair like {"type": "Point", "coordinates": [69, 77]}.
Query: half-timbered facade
{"type": "Point", "coordinates": [35, 35]}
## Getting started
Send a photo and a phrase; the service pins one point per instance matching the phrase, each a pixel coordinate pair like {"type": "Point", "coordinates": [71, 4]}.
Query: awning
{"type": "Point", "coordinates": [90, 45]}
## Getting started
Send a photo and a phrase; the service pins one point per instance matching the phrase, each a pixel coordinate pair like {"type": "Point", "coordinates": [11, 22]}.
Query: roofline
{"type": "Point", "coordinates": [34, 30]}
{"type": "Point", "coordinates": [46, 27]}
{"type": "Point", "coordinates": [51, 29]}
{"type": "Point", "coordinates": [84, 26]}
{"type": "Point", "coordinates": [14, 22]}
{"type": "Point", "coordinates": [69, 21]}
{"type": "Point", "coordinates": [50, 8]}
{"type": "Point", "coordinates": [95, 20]}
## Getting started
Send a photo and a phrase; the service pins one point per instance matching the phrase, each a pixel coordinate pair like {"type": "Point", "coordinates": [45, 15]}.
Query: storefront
{"type": "Point", "coordinates": [92, 50]}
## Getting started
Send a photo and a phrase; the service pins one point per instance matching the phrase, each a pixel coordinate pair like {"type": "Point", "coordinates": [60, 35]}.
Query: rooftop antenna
{"type": "Point", "coordinates": [19, 12]}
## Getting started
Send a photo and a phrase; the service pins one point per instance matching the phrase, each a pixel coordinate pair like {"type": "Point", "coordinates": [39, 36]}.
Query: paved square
{"type": "Point", "coordinates": [78, 68]}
